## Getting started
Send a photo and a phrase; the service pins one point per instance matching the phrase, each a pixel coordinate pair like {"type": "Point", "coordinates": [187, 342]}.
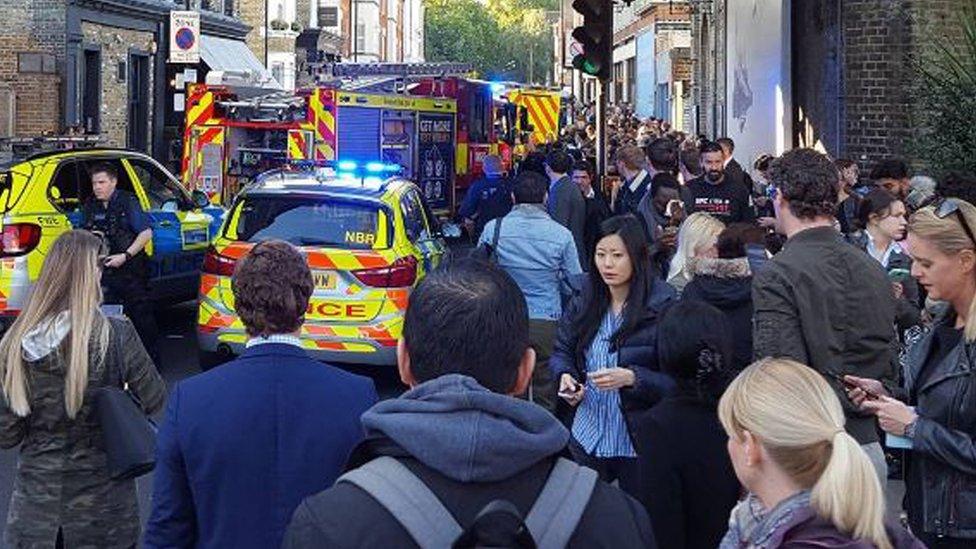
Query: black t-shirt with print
{"type": "Point", "coordinates": [729, 201]}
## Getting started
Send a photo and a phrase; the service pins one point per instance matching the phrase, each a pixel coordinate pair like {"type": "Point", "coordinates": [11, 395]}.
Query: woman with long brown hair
{"type": "Point", "coordinates": [59, 350]}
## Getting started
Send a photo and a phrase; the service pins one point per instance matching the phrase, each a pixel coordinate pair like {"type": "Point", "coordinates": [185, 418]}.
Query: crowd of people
{"type": "Point", "coordinates": [688, 358]}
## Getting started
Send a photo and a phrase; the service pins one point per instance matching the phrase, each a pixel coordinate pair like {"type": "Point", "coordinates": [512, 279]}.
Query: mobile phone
{"type": "Point", "coordinates": [112, 310]}
{"type": "Point", "coordinates": [840, 379]}
{"type": "Point", "coordinates": [899, 275]}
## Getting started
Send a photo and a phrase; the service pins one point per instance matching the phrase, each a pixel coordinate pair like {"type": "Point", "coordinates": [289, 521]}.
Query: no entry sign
{"type": "Point", "coordinates": [184, 37]}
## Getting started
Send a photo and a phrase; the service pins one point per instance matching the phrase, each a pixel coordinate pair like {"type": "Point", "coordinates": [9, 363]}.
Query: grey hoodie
{"type": "Point", "coordinates": [466, 432]}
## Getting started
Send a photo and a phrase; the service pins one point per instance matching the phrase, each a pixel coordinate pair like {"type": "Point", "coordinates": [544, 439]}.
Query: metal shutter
{"type": "Point", "coordinates": [359, 133]}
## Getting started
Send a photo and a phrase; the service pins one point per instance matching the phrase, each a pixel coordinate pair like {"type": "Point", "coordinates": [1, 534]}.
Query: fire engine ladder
{"type": "Point", "coordinates": [272, 106]}
{"type": "Point", "coordinates": [389, 77]}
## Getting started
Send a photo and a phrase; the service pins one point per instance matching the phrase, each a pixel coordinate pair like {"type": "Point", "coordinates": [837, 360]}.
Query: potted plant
{"type": "Point", "coordinates": [279, 25]}
{"type": "Point", "coordinates": [296, 27]}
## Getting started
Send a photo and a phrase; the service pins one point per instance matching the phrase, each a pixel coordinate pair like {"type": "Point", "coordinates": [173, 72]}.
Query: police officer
{"type": "Point", "coordinates": [116, 215]}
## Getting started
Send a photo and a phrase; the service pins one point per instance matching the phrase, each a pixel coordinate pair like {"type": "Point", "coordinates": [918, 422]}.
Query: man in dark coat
{"type": "Point", "coordinates": [565, 202]}
{"type": "Point", "coordinates": [458, 431]}
{"type": "Point", "coordinates": [821, 301]}
{"type": "Point", "coordinates": [597, 209]}
{"type": "Point", "coordinates": [242, 444]}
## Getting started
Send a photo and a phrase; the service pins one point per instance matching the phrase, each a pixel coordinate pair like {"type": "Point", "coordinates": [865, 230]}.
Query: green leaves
{"type": "Point", "coordinates": [500, 38]}
{"type": "Point", "coordinates": [945, 116]}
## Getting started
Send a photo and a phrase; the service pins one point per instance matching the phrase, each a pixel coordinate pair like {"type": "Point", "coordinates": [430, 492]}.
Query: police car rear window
{"type": "Point", "coordinates": [311, 222]}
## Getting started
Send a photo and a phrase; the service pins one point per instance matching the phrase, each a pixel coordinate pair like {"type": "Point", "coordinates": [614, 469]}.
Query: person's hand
{"type": "Point", "coordinates": [894, 416]}
{"type": "Point", "coordinates": [898, 289]}
{"type": "Point", "coordinates": [767, 222]}
{"type": "Point", "coordinates": [115, 260]}
{"type": "Point", "coordinates": [860, 388]}
{"type": "Point", "coordinates": [613, 378]}
{"type": "Point", "coordinates": [570, 390]}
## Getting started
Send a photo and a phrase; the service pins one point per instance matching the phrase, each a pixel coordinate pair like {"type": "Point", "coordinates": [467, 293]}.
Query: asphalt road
{"type": "Point", "coordinates": [179, 361]}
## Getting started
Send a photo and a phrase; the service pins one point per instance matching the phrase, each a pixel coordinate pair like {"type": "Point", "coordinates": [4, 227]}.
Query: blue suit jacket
{"type": "Point", "coordinates": [243, 444]}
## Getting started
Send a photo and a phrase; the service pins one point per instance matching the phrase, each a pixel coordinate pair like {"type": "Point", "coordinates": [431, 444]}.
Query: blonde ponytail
{"type": "Point", "coordinates": [798, 419]}
{"type": "Point", "coordinates": [949, 237]}
{"type": "Point", "coordinates": [849, 494]}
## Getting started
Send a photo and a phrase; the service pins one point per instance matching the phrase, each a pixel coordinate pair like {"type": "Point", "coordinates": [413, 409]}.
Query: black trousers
{"type": "Point", "coordinates": [131, 290]}
{"type": "Point", "coordinates": [622, 469]}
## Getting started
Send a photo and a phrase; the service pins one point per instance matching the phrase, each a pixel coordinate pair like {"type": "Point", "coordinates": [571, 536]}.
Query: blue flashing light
{"type": "Point", "coordinates": [347, 165]}
{"type": "Point", "coordinates": [497, 87]}
{"type": "Point", "coordinates": [375, 167]}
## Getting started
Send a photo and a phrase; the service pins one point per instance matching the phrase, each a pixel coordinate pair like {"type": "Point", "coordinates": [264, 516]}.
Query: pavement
{"type": "Point", "coordinates": [179, 361]}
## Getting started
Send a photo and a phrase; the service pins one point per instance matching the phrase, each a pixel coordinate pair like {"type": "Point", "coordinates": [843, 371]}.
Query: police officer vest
{"type": "Point", "coordinates": [113, 222]}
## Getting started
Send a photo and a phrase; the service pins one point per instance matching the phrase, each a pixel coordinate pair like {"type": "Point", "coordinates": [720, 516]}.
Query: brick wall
{"type": "Point", "coordinates": [251, 12]}
{"type": "Point", "coordinates": [115, 44]}
{"type": "Point", "coordinates": [33, 27]}
{"type": "Point", "coordinates": [882, 38]}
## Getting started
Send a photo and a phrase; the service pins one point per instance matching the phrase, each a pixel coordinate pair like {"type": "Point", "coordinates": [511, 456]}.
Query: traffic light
{"type": "Point", "coordinates": [596, 37]}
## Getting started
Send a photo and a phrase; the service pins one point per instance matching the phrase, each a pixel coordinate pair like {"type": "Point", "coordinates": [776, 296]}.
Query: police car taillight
{"type": "Point", "coordinates": [216, 264]}
{"type": "Point", "coordinates": [402, 273]}
{"type": "Point", "coordinates": [19, 239]}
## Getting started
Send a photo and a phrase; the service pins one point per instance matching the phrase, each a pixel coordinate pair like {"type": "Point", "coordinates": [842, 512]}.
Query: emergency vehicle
{"type": "Point", "coordinates": [369, 237]}
{"type": "Point", "coordinates": [233, 134]}
{"type": "Point", "coordinates": [533, 114]}
{"type": "Point", "coordinates": [41, 197]}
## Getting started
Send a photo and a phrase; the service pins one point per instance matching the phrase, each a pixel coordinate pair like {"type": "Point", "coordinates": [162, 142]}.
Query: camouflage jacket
{"type": "Point", "coordinates": [62, 479]}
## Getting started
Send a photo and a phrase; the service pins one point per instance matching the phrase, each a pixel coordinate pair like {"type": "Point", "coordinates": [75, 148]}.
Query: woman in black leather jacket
{"type": "Point", "coordinates": [935, 410]}
{"type": "Point", "coordinates": [605, 355]}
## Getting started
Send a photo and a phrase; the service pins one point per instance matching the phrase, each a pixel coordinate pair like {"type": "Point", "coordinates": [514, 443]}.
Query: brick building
{"type": "Point", "coordinates": [845, 71]}
{"type": "Point", "coordinates": [100, 67]}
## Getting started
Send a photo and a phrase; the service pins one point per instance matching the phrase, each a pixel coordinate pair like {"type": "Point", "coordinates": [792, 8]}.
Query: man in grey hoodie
{"type": "Point", "coordinates": [465, 349]}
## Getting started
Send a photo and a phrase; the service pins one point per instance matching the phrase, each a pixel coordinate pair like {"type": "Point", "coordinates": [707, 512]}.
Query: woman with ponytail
{"type": "Point", "coordinates": [687, 483]}
{"type": "Point", "coordinates": [935, 410]}
{"type": "Point", "coordinates": [810, 483]}
{"type": "Point", "coordinates": [56, 354]}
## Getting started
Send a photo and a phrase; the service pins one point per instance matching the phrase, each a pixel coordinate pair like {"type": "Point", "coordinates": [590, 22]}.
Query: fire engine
{"type": "Point", "coordinates": [234, 133]}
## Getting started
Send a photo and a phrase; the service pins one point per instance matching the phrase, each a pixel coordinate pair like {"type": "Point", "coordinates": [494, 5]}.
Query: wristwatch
{"type": "Point", "coordinates": [128, 256]}
{"type": "Point", "coordinates": [910, 429]}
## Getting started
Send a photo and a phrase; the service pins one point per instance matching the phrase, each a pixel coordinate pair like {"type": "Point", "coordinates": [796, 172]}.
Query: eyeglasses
{"type": "Point", "coordinates": [947, 206]}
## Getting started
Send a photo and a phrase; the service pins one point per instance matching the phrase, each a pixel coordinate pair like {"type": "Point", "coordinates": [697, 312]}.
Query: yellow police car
{"type": "Point", "coordinates": [41, 198]}
{"type": "Point", "coordinates": [368, 237]}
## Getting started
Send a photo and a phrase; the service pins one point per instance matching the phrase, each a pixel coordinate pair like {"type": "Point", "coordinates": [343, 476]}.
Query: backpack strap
{"type": "Point", "coordinates": [558, 509]}
{"type": "Point", "coordinates": [408, 499]}
{"type": "Point", "coordinates": [493, 251]}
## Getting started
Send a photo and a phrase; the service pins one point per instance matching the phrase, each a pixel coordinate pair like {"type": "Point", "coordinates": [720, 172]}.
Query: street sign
{"type": "Point", "coordinates": [184, 37]}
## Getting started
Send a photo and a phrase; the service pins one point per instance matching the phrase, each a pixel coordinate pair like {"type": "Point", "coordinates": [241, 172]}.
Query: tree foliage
{"type": "Point", "coordinates": [946, 116]}
{"type": "Point", "coordinates": [495, 36]}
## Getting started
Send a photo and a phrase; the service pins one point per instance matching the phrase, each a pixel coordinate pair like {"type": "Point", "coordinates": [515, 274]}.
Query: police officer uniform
{"type": "Point", "coordinates": [128, 285]}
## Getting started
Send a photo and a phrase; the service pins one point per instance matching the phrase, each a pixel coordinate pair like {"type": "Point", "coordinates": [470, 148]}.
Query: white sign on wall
{"type": "Point", "coordinates": [184, 37]}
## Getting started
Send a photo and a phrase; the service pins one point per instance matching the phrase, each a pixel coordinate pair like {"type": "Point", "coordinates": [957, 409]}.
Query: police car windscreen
{"type": "Point", "coordinates": [310, 222]}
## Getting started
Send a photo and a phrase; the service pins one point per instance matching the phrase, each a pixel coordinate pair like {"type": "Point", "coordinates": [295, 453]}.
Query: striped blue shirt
{"type": "Point", "coordinates": [599, 425]}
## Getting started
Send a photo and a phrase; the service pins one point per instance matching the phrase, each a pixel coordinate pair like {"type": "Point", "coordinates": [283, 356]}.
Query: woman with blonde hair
{"type": "Point", "coordinates": [55, 355]}
{"type": "Point", "coordinates": [697, 238]}
{"type": "Point", "coordinates": [810, 484]}
{"type": "Point", "coordinates": [934, 412]}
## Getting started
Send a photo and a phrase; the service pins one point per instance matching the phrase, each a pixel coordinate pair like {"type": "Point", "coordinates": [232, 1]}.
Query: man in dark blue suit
{"type": "Point", "coordinates": [243, 444]}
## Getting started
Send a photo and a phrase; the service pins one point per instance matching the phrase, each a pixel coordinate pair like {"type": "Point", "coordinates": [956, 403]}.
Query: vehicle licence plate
{"type": "Point", "coordinates": [324, 280]}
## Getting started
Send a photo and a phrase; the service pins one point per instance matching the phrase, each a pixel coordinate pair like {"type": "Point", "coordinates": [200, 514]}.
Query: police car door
{"type": "Point", "coordinates": [419, 231]}
{"type": "Point", "coordinates": [180, 235]}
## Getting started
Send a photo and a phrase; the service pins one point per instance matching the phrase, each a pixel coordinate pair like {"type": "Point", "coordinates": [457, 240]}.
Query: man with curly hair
{"type": "Point", "coordinates": [821, 301]}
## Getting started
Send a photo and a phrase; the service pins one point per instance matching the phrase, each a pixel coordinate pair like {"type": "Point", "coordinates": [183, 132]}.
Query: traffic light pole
{"type": "Point", "coordinates": [602, 88]}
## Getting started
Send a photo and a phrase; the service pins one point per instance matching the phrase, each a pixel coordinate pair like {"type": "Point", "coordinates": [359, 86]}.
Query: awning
{"type": "Point", "coordinates": [233, 56]}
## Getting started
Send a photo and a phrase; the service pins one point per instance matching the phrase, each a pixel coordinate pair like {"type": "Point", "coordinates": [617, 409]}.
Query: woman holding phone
{"type": "Point", "coordinates": [934, 412]}
{"type": "Point", "coordinates": [605, 356]}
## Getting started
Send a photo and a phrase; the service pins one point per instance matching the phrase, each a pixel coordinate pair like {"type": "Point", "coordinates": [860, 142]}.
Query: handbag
{"type": "Point", "coordinates": [489, 252]}
{"type": "Point", "coordinates": [129, 434]}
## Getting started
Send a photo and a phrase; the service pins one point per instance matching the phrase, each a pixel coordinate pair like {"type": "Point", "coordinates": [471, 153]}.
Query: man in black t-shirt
{"type": "Point", "coordinates": [716, 194]}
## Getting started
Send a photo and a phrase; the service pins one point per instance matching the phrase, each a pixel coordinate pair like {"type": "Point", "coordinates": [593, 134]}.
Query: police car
{"type": "Point", "coordinates": [368, 236]}
{"type": "Point", "coordinates": [41, 197]}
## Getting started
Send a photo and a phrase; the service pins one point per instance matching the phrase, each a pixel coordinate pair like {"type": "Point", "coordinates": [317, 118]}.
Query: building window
{"type": "Point", "coordinates": [631, 79]}
{"type": "Point", "coordinates": [360, 37]}
{"type": "Point", "coordinates": [36, 62]}
{"type": "Point", "coordinates": [229, 8]}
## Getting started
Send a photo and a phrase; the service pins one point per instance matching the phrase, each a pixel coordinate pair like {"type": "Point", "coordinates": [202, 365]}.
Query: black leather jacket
{"type": "Point", "coordinates": [945, 436]}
